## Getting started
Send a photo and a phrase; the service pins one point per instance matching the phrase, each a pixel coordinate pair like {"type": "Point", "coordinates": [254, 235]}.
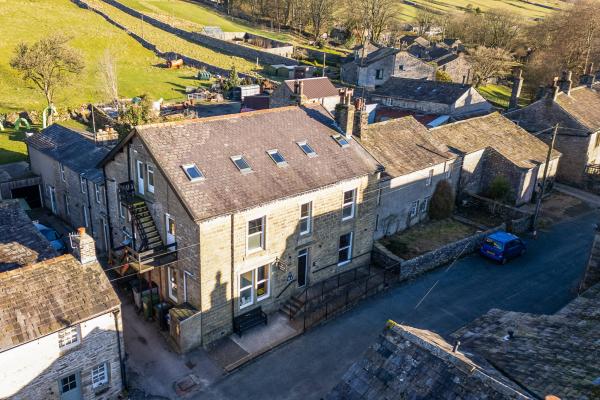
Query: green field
{"type": "Point", "coordinates": [499, 95]}
{"type": "Point", "coordinates": [139, 70]}
{"type": "Point", "coordinates": [12, 146]}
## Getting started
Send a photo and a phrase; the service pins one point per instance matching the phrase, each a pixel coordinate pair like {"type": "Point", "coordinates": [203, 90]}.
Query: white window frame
{"type": "Point", "coordinates": [186, 167]}
{"type": "Point", "coordinates": [244, 170]}
{"type": "Point", "coordinates": [449, 171]}
{"type": "Point", "coordinates": [241, 289]}
{"type": "Point", "coordinates": [341, 141]}
{"type": "Point", "coordinates": [150, 172]}
{"type": "Point", "coordinates": [424, 205]}
{"type": "Point", "coordinates": [379, 74]}
{"type": "Point", "coordinates": [429, 178]}
{"type": "Point", "coordinates": [97, 193]}
{"type": "Point", "coordinates": [349, 247]}
{"type": "Point", "coordinates": [261, 233]}
{"type": "Point", "coordinates": [82, 184]}
{"type": "Point", "coordinates": [98, 371]}
{"type": "Point", "coordinates": [306, 218]}
{"type": "Point", "coordinates": [62, 172]}
{"type": "Point", "coordinates": [253, 286]}
{"type": "Point", "coordinates": [414, 208]}
{"type": "Point", "coordinates": [351, 204]}
{"type": "Point", "coordinates": [52, 196]}
{"type": "Point", "coordinates": [172, 279]}
{"type": "Point", "coordinates": [267, 279]}
{"type": "Point", "coordinates": [311, 153]}
{"type": "Point", "coordinates": [122, 209]}
{"type": "Point", "coordinates": [69, 337]}
{"type": "Point", "coordinates": [271, 154]}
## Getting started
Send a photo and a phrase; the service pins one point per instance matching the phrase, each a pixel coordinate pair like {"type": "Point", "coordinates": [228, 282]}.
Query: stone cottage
{"type": "Point", "coordinates": [493, 146]}
{"type": "Point", "coordinates": [430, 97]}
{"type": "Point", "coordinates": [73, 186]}
{"type": "Point", "coordinates": [577, 110]}
{"type": "Point", "coordinates": [59, 317]}
{"type": "Point", "coordinates": [378, 64]}
{"type": "Point", "coordinates": [414, 164]}
{"type": "Point", "coordinates": [312, 90]}
{"type": "Point", "coordinates": [257, 205]}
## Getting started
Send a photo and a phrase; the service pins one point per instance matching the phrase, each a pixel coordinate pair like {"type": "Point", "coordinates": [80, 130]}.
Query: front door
{"type": "Point", "coordinates": [70, 387]}
{"type": "Point", "coordinates": [173, 287]}
{"type": "Point", "coordinates": [140, 177]}
{"type": "Point", "coordinates": [302, 267]}
{"type": "Point", "coordinates": [170, 234]}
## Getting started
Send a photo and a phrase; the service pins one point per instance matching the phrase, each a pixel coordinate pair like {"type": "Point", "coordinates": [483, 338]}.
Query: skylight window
{"type": "Point", "coordinates": [193, 172]}
{"type": "Point", "coordinates": [277, 157]}
{"type": "Point", "coordinates": [307, 149]}
{"type": "Point", "coordinates": [342, 141]}
{"type": "Point", "coordinates": [241, 163]}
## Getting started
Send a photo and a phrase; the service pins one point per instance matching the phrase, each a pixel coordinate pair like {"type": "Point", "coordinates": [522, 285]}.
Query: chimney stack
{"type": "Point", "coordinates": [588, 78]}
{"type": "Point", "coordinates": [553, 89]}
{"type": "Point", "coordinates": [455, 347]}
{"type": "Point", "coordinates": [361, 119]}
{"type": "Point", "coordinates": [344, 112]}
{"type": "Point", "coordinates": [299, 92]}
{"type": "Point", "coordinates": [516, 89]}
{"type": "Point", "coordinates": [565, 82]}
{"type": "Point", "coordinates": [84, 248]}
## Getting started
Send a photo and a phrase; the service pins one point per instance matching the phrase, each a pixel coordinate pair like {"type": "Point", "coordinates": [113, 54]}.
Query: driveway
{"type": "Point", "coordinates": [542, 281]}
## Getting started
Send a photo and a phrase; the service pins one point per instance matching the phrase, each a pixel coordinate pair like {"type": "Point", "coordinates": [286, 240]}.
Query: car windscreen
{"type": "Point", "coordinates": [493, 243]}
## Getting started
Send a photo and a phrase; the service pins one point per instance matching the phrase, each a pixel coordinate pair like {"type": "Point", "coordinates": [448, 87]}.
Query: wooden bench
{"type": "Point", "coordinates": [248, 320]}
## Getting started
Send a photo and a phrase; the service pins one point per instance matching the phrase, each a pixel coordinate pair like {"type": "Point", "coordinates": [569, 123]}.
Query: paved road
{"type": "Point", "coordinates": [542, 281]}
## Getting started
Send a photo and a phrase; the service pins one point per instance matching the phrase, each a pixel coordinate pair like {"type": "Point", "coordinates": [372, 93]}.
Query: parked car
{"type": "Point", "coordinates": [502, 246]}
{"type": "Point", "coordinates": [53, 237]}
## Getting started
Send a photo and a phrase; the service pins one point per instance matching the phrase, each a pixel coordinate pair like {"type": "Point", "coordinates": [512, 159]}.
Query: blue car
{"type": "Point", "coordinates": [502, 246]}
{"type": "Point", "coordinates": [53, 237]}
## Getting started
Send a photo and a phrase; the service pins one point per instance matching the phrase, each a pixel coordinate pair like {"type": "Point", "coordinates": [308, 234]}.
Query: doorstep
{"type": "Point", "coordinates": [233, 351]}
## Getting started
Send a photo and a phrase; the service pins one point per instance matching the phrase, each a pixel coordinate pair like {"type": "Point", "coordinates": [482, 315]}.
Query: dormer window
{"type": "Point", "coordinates": [341, 140]}
{"type": "Point", "coordinates": [241, 163]}
{"type": "Point", "coordinates": [277, 157]}
{"type": "Point", "coordinates": [307, 149]}
{"type": "Point", "coordinates": [193, 172]}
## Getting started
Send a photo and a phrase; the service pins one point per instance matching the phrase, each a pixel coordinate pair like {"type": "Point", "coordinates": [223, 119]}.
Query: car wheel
{"type": "Point", "coordinates": [504, 260]}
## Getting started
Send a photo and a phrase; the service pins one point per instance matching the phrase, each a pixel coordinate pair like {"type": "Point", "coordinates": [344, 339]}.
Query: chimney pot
{"type": "Point", "coordinates": [455, 347]}
{"type": "Point", "coordinates": [81, 230]}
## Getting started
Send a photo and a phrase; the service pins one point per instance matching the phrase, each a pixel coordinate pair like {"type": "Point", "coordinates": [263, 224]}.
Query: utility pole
{"type": "Point", "coordinates": [538, 203]}
{"type": "Point", "coordinates": [324, 65]}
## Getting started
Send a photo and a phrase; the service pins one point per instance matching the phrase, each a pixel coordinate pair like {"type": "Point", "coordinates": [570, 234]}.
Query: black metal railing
{"type": "Point", "coordinates": [126, 192]}
{"type": "Point", "coordinates": [592, 169]}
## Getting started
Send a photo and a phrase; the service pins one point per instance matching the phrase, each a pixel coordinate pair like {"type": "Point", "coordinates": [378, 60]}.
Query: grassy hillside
{"type": "Point", "coordinates": [139, 69]}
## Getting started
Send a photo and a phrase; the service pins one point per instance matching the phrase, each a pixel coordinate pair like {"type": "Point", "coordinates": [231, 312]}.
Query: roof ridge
{"type": "Point", "coordinates": [470, 119]}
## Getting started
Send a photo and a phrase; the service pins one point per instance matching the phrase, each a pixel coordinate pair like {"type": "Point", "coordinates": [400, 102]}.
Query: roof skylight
{"type": "Point", "coordinates": [193, 172]}
{"type": "Point", "coordinates": [241, 163]}
{"type": "Point", "coordinates": [341, 140]}
{"type": "Point", "coordinates": [277, 157]}
{"type": "Point", "coordinates": [307, 149]}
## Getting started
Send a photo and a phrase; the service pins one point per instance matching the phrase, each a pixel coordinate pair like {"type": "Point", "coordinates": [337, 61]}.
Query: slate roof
{"type": "Point", "coordinates": [314, 88]}
{"type": "Point", "coordinates": [579, 112]}
{"type": "Point", "coordinates": [548, 354]}
{"type": "Point", "coordinates": [497, 132]}
{"type": "Point", "coordinates": [74, 149]}
{"type": "Point", "coordinates": [43, 298]}
{"type": "Point", "coordinates": [422, 90]}
{"type": "Point", "coordinates": [211, 142]}
{"type": "Point", "coordinates": [409, 363]}
{"type": "Point", "coordinates": [378, 55]}
{"type": "Point", "coordinates": [20, 242]}
{"type": "Point", "coordinates": [403, 146]}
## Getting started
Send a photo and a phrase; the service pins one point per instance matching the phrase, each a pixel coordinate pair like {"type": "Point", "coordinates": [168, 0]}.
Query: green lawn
{"type": "Point", "coordinates": [12, 146]}
{"type": "Point", "coordinates": [499, 95]}
{"type": "Point", "coordinates": [139, 70]}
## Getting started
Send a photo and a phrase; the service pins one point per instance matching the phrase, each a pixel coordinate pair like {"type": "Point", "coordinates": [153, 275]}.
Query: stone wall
{"type": "Point", "coordinates": [223, 46]}
{"type": "Point", "coordinates": [459, 69]}
{"type": "Point", "coordinates": [428, 261]}
{"type": "Point", "coordinates": [37, 366]}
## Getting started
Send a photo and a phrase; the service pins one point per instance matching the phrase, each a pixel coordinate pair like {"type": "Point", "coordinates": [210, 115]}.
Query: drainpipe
{"type": "Point", "coordinates": [89, 206]}
{"type": "Point", "coordinates": [110, 230]}
{"type": "Point", "coordinates": [232, 271]}
{"type": "Point", "coordinates": [133, 241]}
{"type": "Point", "coordinates": [121, 360]}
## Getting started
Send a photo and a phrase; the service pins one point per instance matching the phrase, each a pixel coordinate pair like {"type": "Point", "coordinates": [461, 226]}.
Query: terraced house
{"type": "Point", "coordinates": [238, 212]}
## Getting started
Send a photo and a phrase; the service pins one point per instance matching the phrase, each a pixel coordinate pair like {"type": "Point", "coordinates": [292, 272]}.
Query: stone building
{"type": "Point", "coordinates": [577, 110]}
{"type": "Point", "coordinates": [430, 97]}
{"type": "Point", "coordinates": [414, 164]}
{"type": "Point", "coordinates": [311, 90]}
{"type": "Point", "coordinates": [59, 317]}
{"type": "Point", "coordinates": [257, 205]}
{"type": "Point", "coordinates": [73, 187]}
{"type": "Point", "coordinates": [378, 64]}
{"type": "Point", "coordinates": [492, 146]}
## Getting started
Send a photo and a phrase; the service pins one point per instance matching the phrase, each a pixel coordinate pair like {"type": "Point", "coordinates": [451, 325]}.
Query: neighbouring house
{"type": "Point", "coordinates": [456, 65]}
{"type": "Point", "coordinates": [577, 111]}
{"type": "Point", "coordinates": [493, 146]}
{"type": "Point", "coordinates": [414, 164]}
{"type": "Point", "coordinates": [73, 186]}
{"type": "Point", "coordinates": [20, 242]}
{"type": "Point", "coordinates": [254, 207]}
{"type": "Point", "coordinates": [430, 97]}
{"type": "Point", "coordinates": [59, 317]}
{"type": "Point", "coordinates": [313, 90]}
{"type": "Point", "coordinates": [410, 363]}
{"type": "Point", "coordinates": [448, 55]}
{"type": "Point", "coordinates": [18, 182]}
{"type": "Point", "coordinates": [378, 64]}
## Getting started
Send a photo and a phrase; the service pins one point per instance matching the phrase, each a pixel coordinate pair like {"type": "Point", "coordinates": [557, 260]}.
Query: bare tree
{"type": "Point", "coordinates": [489, 63]}
{"type": "Point", "coordinates": [108, 73]}
{"type": "Point", "coordinates": [48, 64]}
{"type": "Point", "coordinates": [424, 20]}
{"type": "Point", "coordinates": [321, 15]}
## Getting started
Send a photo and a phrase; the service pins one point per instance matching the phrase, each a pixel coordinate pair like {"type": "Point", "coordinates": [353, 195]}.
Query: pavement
{"type": "Point", "coordinates": [588, 197]}
{"type": "Point", "coordinates": [542, 281]}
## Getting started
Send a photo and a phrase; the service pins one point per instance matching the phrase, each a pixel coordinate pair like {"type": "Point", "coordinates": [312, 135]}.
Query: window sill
{"type": "Point", "coordinates": [347, 218]}
{"type": "Point", "coordinates": [246, 305]}
{"type": "Point", "coordinates": [101, 389]}
{"type": "Point", "coordinates": [343, 263]}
